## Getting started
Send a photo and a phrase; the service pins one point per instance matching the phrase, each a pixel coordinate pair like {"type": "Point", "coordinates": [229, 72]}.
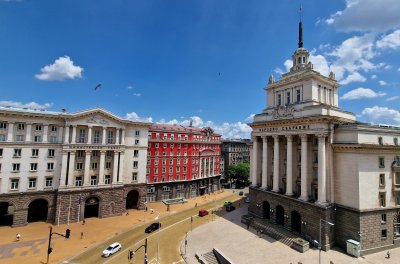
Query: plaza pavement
{"type": "Point", "coordinates": [244, 246]}
{"type": "Point", "coordinates": [32, 247]}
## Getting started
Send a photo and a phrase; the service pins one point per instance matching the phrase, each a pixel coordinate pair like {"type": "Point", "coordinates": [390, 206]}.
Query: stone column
{"type": "Point", "coordinates": [86, 176]}
{"type": "Point", "coordinates": [121, 167]}
{"type": "Point", "coordinates": [321, 169]}
{"type": "Point", "coordinates": [73, 140]}
{"type": "Point", "coordinates": [66, 138]}
{"type": "Point", "coordinates": [101, 167]}
{"type": "Point", "coordinates": [289, 166]}
{"type": "Point", "coordinates": [254, 172]}
{"type": "Point", "coordinates": [209, 167]}
{"type": "Point", "coordinates": [10, 132]}
{"type": "Point", "coordinates": [63, 169]}
{"type": "Point", "coordinates": [89, 141]}
{"type": "Point", "coordinates": [28, 137]}
{"type": "Point", "coordinates": [71, 169]}
{"type": "Point", "coordinates": [264, 179]}
{"type": "Point", "coordinates": [304, 167]}
{"type": "Point", "coordinates": [45, 133]}
{"type": "Point", "coordinates": [115, 168]}
{"type": "Point", "coordinates": [117, 136]}
{"type": "Point", "coordinates": [59, 134]}
{"type": "Point", "coordinates": [123, 137]}
{"type": "Point", "coordinates": [276, 164]}
{"type": "Point", "coordinates": [200, 167]}
{"type": "Point", "coordinates": [103, 136]}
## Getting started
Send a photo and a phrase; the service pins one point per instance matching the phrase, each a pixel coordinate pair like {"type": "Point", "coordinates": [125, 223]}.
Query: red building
{"type": "Point", "coordinates": [182, 162]}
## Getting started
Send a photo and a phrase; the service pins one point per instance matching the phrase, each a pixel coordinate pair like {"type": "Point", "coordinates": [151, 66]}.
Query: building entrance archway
{"type": "Point", "coordinates": [280, 215]}
{"type": "Point", "coordinates": [92, 207]}
{"type": "Point", "coordinates": [266, 210]}
{"type": "Point", "coordinates": [296, 222]}
{"type": "Point", "coordinates": [132, 199]}
{"type": "Point", "coordinates": [6, 214]}
{"type": "Point", "coordinates": [37, 210]}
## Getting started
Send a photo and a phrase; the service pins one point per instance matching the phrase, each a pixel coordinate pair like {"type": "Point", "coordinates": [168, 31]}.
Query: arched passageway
{"type": "Point", "coordinates": [296, 222]}
{"type": "Point", "coordinates": [37, 210]}
{"type": "Point", "coordinates": [6, 214]}
{"type": "Point", "coordinates": [280, 215]}
{"type": "Point", "coordinates": [132, 199]}
{"type": "Point", "coordinates": [92, 206]}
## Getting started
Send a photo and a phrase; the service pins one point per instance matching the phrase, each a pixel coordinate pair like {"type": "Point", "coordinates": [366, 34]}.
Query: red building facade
{"type": "Point", "coordinates": [182, 162]}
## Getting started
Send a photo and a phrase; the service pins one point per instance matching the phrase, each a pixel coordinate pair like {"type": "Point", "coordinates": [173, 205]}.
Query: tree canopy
{"type": "Point", "coordinates": [239, 174]}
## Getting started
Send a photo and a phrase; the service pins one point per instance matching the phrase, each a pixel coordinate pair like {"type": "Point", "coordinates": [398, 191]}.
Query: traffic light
{"type": "Point", "coordinates": [49, 250]}
{"type": "Point", "coordinates": [67, 233]}
{"type": "Point", "coordinates": [130, 255]}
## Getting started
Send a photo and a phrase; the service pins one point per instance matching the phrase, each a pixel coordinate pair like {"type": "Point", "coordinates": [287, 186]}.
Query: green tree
{"type": "Point", "coordinates": [239, 174]}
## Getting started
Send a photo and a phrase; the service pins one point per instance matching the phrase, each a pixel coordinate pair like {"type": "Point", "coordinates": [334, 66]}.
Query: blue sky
{"type": "Point", "coordinates": [205, 60]}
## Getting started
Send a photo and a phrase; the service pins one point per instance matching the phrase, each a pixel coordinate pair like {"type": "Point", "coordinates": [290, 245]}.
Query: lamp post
{"type": "Point", "coordinates": [158, 234]}
{"type": "Point", "coordinates": [320, 241]}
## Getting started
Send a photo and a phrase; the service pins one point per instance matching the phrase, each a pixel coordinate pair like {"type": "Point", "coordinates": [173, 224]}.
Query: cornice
{"type": "Point", "coordinates": [348, 147]}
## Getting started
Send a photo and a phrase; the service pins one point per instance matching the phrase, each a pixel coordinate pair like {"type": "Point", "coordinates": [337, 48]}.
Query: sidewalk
{"type": "Point", "coordinates": [242, 246]}
{"type": "Point", "coordinates": [34, 241]}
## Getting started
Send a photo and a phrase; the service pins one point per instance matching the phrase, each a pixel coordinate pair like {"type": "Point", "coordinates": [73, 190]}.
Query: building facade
{"type": "Point", "coordinates": [61, 167]}
{"type": "Point", "coordinates": [316, 171]}
{"type": "Point", "coordinates": [182, 162]}
{"type": "Point", "coordinates": [235, 151]}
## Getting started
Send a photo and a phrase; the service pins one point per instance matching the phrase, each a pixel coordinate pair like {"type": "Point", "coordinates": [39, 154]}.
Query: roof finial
{"type": "Point", "coordinates": [300, 29]}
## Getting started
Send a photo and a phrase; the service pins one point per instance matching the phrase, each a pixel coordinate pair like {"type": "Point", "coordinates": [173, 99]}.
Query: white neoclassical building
{"type": "Point", "coordinates": [312, 163]}
{"type": "Point", "coordinates": [61, 167]}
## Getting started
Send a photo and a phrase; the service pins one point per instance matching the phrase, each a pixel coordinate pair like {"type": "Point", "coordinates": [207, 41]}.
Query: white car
{"type": "Point", "coordinates": [114, 247]}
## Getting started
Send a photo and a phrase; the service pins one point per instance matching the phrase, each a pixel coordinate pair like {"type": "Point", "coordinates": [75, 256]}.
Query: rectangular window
{"type": "Point", "coordinates": [37, 138]}
{"type": "Point", "coordinates": [78, 181]}
{"type": "Point", "coordinates": [38, 127]}
{"type": "Point", "coordinates": [382, 179]}
{"type": "Point", "coordinates": [95, 153]}
{"type": "Point", "coordinates": [93, 180]}
{"type": "Point", "coordinates": [50, 166]}
{"type": "Point", "coordinates": [53, 139]}
{"type": "Point", "coordinates": [3, 125]}
{"type": "Point", "coordinates": [397, 178]}
{"type": "Point", "coordinates": [383, 218]}
{"type": "Point", "coordinates": [20, 126]}
{"type": "Point", "coordinates": [108, 165]}
{"type": "Point", "coordinates": [33, 166]}
{"type": "Point", "coordinates": [172, 145]}
{"type": "Point", "coordinates": [155, 179]}
{"type": "Point", "coordinates": [151, 189]}
{"type": "Point", "coordinates": [82, 135]}
{"type": "Point", "coordinates": [380, 140]}
{"type": "Point", "coordinates": [137, 133]}
{"type": "Point", "coordinates": [136, 141]}
{"type": "Point", "coordinates": [288, 98]}
{"type": "Point", "coordinates": [2, 137]}
{"type": "Point", "coordinates": [49, 182]}
{"type": "Point", "coordinates": [298, 96]}
{"type": "Point", "coordinates": [110, 137]}
{"type": "Point", "coordinates": [279, 99]}
{"type": "Point", "coordinates": [166, 188]}
{"type": "Point", "coordinates": [51, 153]}
{"type": "Point", "coordinates": [135, 164]}
{"type": "Point", "coordinates": [96, 136]}
{"type": "Point", "coordinates": [134, 176]}
{"type": "Point", "coordinates": [109, 154]}
{"type": "Point", "coordinates": [19, 138]}
{"type": "Point", "coordinates": [381, 162]}
{"type": "Point", "coordinates": [156, 146]}
{"type": "Point", "coordinates": [80, 153]}
{"type": "Point", "coordinates": [94, 165]}
{"type": "Point", "coordinates": [53, 129]}
{"type": "Point", "coordinates": [136, 153]}
{"type": "Point", "coordinates": [396, 141]}
{"type": "Point", "coordinates": [14, 184]}
{"type": "Point", "coordinates": [1, 152]}
{"type": "Point", "coordinates": [32, 183]}
{"type": "Point", "coordinates": [107, 179]}
{"type": "Point", "coordinates": [15, 167]}
{"type": "Point", "coordinates": [35, 153]}
{"type": "Point", "coordinates": [384, 234]}
{"type": "Point", "coordinates": [382, 199]}
{"type": "Point", "coordinates": [79, 165]}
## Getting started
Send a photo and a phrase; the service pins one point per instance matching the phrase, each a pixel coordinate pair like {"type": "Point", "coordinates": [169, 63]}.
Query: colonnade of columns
{"type": "Point", "coordinates": [118, 140]}
{"type": "Point", "coordinates": [27, 133]}
{"type": "Point", "coordinates": [207, 166]}
{"type": "Point", "coordinates": [276, 169]}
{"type": "Point", "coordinates": [68, 170]}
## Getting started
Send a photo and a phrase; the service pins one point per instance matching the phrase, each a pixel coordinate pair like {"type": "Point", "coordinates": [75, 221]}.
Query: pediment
{"type": "Point", "coordinates": [97, 117]}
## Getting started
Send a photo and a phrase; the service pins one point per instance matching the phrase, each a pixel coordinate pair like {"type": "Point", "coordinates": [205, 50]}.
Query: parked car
{"type": "Point", "coordinates": [241, 193]}
{"type": "Point", "coordinates": [203, 212]}
{"type": "Point", "coordinates": [247, 200]}
{"type": "Point", "coordinates": [111, 249]}
{"type": "Point", "coordinates": [230, 208]}
{"type": "Point", "coordinates": [152, 227]}
{"type": "Point", "coordinates": [226, 203]}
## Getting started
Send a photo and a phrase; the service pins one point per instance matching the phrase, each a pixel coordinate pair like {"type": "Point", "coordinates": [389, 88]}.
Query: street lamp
{"type": "Point", "coordinates": [320, 241]}
{"type": "Point", "coordinates": [158, 234]}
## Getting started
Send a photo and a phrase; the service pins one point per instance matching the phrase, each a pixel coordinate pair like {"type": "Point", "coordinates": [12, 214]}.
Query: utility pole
{"type": "Point", "coordinates": [49, 248]}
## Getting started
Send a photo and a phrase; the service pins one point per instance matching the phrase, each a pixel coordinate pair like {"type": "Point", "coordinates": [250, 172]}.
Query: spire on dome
{"type": "Point", "coordinates": [300, 29]}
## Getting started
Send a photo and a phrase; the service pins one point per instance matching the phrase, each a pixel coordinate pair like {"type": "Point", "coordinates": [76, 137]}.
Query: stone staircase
{"type": "Point", "coordinates": [278, 233]}
{"type": "Point", "coordinates": [210, 258]}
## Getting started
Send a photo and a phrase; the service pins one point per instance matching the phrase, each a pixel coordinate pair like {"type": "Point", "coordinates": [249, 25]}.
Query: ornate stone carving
{"type": "Point", "coordinates": [283, 112]}
{"type": "Point", "coordinates": [97, 120]}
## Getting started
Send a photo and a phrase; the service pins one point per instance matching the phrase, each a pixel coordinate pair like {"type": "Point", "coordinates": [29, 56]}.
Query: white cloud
{"type": "Point", "coordinates": [288, 64]}
{"type": "Point", "coordinates": [320, 64]}
{"type": "Point", "coordinates": [135, 117]}
{"type": "Point", "coordinates": [278, 71]}
{"type": "Point", "coordinates": [130, 87]}
{"type": "Point", "coordinates": [373, 77]}
{"type": "Point", "coordinates": [381, 115]}
{"type": "Point", "coordinates": [250, 117]}
{"type": "Point", "coordinates": [389, 41]}
{"type": "Point", "coordinates": [136, 94]}
{"type": "Point", "coordinates": [382, 83]}
{"type": "Point", "coordinates": [62, 68]}
{"type": "Point", "coordinates": [392, 98]}
{"type": "Point", "coordinates": [353, 77]}
{"type": "Point", "coordinates": [31, 105]}
{"type": "Point", "coordinates": [363, 16]}
{"type": "Point", "coordinates": [361, 93]}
